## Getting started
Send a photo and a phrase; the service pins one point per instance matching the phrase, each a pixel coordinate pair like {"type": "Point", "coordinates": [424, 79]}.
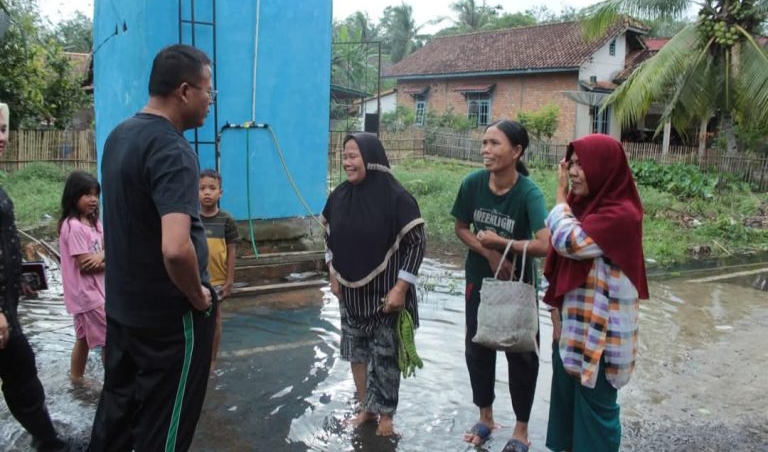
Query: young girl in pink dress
{"type": "Point", "coordinates": [81, 241]}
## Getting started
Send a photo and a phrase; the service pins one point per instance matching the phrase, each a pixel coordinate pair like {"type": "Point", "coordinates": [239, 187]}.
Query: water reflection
{"type": "Point", "coordinates": [49, 329]}
{"type": "Point", "coordinates": [281, 387]}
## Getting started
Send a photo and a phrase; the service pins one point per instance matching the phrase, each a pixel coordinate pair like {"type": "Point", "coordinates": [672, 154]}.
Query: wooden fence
{"type": "Point", "coordinates": [399, 146]}
{"type": "Point", "coordinates": [70, 148]}
{"type": "Point", "coordinates": [746, 167]}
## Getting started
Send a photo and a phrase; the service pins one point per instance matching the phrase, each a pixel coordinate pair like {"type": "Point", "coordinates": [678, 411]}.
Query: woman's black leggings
{"type": "Point", "coordinates": [523, 368]}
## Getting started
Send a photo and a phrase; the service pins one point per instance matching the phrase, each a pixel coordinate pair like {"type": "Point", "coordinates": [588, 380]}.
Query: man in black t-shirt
{"type": "Point", "coordinates": [160, 311]}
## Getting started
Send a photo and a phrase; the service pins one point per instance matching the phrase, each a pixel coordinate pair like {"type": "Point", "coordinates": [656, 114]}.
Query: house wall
{"type": "Point", "coordinates": [604, 66]}
{"type": "Point", "coordinates": [584, 122]}
{"type": "Point", "coordinates": [388, 104]}
{"type": "Point", "coordinates": [512, 94]}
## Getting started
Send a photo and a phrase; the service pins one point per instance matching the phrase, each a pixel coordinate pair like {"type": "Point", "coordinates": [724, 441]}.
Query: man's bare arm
{"type": "Point", "coordinates": [180, 259]}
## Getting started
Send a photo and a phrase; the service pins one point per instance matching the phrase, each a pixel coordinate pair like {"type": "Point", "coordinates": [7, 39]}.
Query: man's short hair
{"type": "Point", "coordinates": [175, 65]}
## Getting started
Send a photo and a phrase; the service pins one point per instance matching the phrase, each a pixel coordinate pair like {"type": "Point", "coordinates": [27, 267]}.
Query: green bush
{"type": "Point", "coordinates": [686, 181]}
{"type": "Point", "coordinates": [541, 123]}
{"type": "Point", "coordinates": [398, 120]}
{"type": "Point", "coordinates": [448, 120]}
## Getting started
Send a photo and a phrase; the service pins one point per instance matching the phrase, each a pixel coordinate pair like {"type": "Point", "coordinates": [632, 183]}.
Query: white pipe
{"type": "Point", "coordinates": [255, 59]}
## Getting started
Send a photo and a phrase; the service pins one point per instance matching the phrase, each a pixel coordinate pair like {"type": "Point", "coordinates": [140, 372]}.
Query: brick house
{"type": "Point", "coordinates": [496, 74]}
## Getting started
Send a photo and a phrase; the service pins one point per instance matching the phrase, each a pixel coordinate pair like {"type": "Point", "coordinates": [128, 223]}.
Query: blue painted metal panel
{"type": "Point", "coordinates": [292, 90]}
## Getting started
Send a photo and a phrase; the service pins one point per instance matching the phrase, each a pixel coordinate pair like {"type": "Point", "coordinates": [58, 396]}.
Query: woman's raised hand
{"type": "Point", "coordinates": [562, 182]}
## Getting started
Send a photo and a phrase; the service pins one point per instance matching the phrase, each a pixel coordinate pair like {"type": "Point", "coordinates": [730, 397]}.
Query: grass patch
{"type": "Point", "coordinates": [434, 184]}
{"type": "Point", "coordinates": [672, 228]}
{"type": "Point", "coordinates": [36, 191]}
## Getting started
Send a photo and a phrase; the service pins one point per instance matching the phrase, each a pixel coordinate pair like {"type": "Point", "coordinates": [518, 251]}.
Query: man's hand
{"type": "Point", "coordinates": [5, 331]}
{"type": "Point", "coordinates": [203, 302]}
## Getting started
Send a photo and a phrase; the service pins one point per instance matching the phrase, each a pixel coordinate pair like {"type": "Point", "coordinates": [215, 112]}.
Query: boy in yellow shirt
{"type": "Point", "coordinates": [222, 236]}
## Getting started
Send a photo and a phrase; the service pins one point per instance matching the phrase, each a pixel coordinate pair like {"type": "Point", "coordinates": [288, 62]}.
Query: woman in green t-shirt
{"type": "Point", "coordinates": [502, 204]}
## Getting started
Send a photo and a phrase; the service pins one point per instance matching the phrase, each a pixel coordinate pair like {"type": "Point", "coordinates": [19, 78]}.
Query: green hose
{"type": "Point", "coordinates": [248, 188]}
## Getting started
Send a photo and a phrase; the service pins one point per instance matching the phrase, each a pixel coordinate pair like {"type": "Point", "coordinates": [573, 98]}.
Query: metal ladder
{"type": "Point", "coordinates": [192, 23]}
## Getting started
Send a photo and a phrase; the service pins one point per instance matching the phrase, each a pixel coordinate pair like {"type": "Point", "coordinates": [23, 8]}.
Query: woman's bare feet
{"type": "Point", "coordinates": [362, 418]}
{"type": "Point", "coordinates": [77, 379]}
{"type": "Point", "coordinates": [386, 426]}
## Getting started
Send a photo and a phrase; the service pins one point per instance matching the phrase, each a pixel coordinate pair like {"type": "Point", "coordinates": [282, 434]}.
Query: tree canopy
{"type": "Point", "coordinates": [74, 34]}
{"type": "Point", "coordinates": [713, 67]}
{"type": "Point", "coordinates": [37, 80]}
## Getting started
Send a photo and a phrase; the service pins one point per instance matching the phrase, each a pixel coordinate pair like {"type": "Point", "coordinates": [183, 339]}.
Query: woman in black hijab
{"type": "Point", "coordinates": [375, 243]}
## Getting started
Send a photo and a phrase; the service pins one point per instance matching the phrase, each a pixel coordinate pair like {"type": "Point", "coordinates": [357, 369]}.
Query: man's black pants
{"type": "Point", "coordinates": [154, 385]}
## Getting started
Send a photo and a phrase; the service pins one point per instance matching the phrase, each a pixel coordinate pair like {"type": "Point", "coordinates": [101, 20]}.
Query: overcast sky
{"type": "Point", "coordinates": [423, 10]}
{"type": "Point", "coordinates": [426, 10]}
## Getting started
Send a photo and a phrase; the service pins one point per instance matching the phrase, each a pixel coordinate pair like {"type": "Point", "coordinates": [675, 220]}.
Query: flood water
{"type": "Point", "coordinates": [280, 385]}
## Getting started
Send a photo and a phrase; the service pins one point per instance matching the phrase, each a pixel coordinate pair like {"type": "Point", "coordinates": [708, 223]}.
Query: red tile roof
{"type": "Point", "coordinates": [540, 48]}
{"type": "Point", "coordinates": [655, 44]}
{"type": "Point", "coordinates": [636, 57]}
{"type": "Point", "coordinates": [603, 86]}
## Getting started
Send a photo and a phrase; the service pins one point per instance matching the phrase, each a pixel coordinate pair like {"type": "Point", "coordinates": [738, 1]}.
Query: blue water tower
{"type": "Point", "coordinates": [271, 66]}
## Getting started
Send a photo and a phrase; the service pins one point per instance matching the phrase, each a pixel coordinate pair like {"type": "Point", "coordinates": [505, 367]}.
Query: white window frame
{"type": "Point", "coordinates": [420, 109]}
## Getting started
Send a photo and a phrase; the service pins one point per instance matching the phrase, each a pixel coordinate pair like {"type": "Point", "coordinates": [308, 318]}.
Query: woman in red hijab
{"type": "Point", "coordinates": [596, 274]}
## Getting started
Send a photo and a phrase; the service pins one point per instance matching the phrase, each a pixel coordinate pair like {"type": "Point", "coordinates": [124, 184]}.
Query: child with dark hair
{"type": "Point", "coordinates": [222, 236]}
{"type": "Point", "coordinates": [81, 241]}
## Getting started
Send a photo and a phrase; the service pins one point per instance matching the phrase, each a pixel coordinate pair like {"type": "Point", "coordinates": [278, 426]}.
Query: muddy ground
{"type": "Point", "coordinates": [712, 399]}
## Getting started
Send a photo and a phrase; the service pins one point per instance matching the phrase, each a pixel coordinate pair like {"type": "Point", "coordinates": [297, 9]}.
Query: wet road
{"type": "Point", "coordinates": [700, 382]}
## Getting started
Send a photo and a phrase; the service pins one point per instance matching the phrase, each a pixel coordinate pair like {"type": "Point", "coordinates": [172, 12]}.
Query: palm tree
{"type": "Point", "coordinates": [351, 60]}
{"type": "Point", "coordinates": [360, 21]}
{"type": "Point", "coordinates": [473, 17]}
{"type": "Point", "coordinates": [400, 32]}
{"type": "Point", "coordinates": [713, 67]}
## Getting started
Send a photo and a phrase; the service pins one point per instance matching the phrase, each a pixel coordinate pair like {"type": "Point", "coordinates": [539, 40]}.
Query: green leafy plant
{"type": "Point", "coordinates": [686, 181]}
{"type": "Point", "coordinates": [398, 120]}
{"type": "Point", "coordinates": [542, 123]}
